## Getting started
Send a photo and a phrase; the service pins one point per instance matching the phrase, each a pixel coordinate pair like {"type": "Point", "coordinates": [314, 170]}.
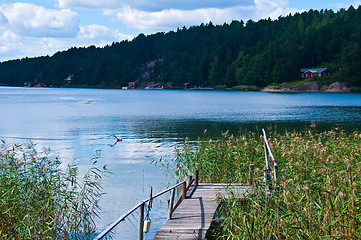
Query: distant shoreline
{"type": "Point", "coordinates": [336, 87]}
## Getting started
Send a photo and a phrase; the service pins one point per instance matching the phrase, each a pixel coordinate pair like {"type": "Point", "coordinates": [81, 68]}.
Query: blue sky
{"type": "Point", "coordinates": [32, 28]}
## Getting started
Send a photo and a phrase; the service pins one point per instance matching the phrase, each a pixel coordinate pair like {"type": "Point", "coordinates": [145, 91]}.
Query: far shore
{"type": "Point", "coordinates": [293, 87]}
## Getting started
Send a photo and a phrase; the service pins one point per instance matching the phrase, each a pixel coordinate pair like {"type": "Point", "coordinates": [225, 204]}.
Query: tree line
{"type": "Point", "coordinates": [237, 53]}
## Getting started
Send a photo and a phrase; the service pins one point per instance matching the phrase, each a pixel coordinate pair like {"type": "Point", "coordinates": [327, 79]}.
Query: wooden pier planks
{"type": "Point", "coordinates": [192, 218]}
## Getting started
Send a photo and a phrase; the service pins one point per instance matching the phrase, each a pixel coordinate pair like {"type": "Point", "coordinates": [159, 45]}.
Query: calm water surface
{"type": "Point", "coordinates": [80, 123]}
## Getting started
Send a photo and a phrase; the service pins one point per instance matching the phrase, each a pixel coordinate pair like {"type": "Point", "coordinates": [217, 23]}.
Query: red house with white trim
{"type": "Point", "coordinates": [308, 73]}
{"type": "Point", "coordinates": [132, 85]}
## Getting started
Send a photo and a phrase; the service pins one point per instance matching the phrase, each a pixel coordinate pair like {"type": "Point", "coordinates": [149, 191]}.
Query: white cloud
{"type": "Point", "coordinates": [272, 8]}
{"type": "Point", "coordinates": [30, 30]}
{"type": "Point", "coordinates": [26, 19]}
{"type": "Point", "coordinates": [162, 15]}
{"type": "Point", "coordinates": [13, 46]}
{"type": "Point", "coordinates": [172, 18]}
{"type": "Point", "coordinates": [10, 45]}
{"type": "Point", "coordinates": [99, 36]}
{"type": "Point", "coordinates": [86, 3]}
{"type": "Point", "coordinates": [154, 5]}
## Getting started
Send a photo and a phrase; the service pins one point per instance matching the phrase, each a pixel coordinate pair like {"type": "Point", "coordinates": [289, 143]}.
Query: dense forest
{"type": "Point", "coordinates": [252, 53]}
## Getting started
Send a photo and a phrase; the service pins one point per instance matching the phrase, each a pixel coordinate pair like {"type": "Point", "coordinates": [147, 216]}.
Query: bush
{"type": "Point", "coordinates": [39, 201]}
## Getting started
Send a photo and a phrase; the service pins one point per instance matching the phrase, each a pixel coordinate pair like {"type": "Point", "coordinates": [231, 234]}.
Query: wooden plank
{"type": "Point", "coordinates": [181, 234]}
{"type": "Point", "coordinates": [194, 215]}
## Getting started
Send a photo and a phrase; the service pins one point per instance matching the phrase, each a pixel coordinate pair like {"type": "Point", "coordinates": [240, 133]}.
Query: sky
{"type": "Point", "coordinates": [32, 28]}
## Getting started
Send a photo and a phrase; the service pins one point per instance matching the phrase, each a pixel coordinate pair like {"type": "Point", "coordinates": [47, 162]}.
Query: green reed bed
{"type": "Point", "coordinates": [39, 201]}
{"type": "Point", "coordinates": [319, 185]}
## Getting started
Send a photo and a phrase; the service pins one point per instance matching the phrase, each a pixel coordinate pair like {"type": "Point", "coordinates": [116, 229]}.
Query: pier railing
{"type": "Point", "coordinates": [171, 207]}
{"type": "Point", "coordinates": [270, 166]}
{"type": "Point", "coordinates": [270, 162]}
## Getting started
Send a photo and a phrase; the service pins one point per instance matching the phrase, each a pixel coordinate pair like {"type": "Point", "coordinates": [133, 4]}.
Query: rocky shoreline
{"type": "Point", "coordinates": [310, 87]}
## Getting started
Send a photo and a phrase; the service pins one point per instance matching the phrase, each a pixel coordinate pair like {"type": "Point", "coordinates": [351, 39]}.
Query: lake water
{"type": "Point", "coordinates": [80, 123]}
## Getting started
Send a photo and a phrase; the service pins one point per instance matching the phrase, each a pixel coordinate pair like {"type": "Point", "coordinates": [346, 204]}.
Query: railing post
{"type": "Point", "coordinates": [141, 222]}
{"type": "Point", "coordinates": [196, 175]}
{"type": "Point", "coordinates": [171, 202]}
{"type": "Point", "coordinates": [184, 190]}
{"type": "Point", "coordinates": [190, 177]}
{"type": "Point", "coordinates": [251, 168]}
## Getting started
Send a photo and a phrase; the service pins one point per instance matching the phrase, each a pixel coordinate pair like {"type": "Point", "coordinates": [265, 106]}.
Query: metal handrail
{"type": "Point", "coordinates": [115, 223]}
{"type": "Point", "coordinates": [268, 153]}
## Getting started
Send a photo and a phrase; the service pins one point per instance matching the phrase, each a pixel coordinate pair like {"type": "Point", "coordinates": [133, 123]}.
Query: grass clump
{"type": "Point", "coordinates": [319, 185]}
{"type": "Point", "coordinates": [298, 83]}
{"type": "Point", "coordinates": [39, 201]}
{"type": "Point", "coordinates": [223, 160]}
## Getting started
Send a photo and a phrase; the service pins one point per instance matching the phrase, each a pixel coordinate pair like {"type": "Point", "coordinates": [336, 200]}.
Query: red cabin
{"type": "Point", "coordinates": [308, 73]}
{"type": "Point", "coordinates": [132, 85]}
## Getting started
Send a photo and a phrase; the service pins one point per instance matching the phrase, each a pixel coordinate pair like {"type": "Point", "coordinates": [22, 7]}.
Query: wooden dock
{"type": "Point", "coordinates": [193, 217]}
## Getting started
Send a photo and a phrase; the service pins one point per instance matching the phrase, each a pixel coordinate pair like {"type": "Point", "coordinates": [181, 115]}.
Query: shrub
{"type": "Point", "coordinates": [39, 201]}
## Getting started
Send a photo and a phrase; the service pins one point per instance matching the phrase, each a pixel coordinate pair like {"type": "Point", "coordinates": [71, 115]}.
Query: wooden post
{"type": "Point", "coordinates": [171, 202]}
{"type": "Point", "coordinates": [141, 222]}
{"type": "Point", "coordinates": [251, 168]}
{"type": "Point", "coordinates": [196, 175]}
{"type": "Point", "coordinates": [190, 177]}
{"type": "Point", "coordinates": [184, 191]}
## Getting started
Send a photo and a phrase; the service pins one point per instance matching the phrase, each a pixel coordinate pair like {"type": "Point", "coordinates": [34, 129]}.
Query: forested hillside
{"type": "Point", "coordinates": [253, 53]}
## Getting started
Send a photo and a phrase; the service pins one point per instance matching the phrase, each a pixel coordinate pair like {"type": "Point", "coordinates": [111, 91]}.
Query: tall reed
{"type": "Point", "coordinates": [39, 201]}
{"type": "Point", "coordinates": [319, 193]}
